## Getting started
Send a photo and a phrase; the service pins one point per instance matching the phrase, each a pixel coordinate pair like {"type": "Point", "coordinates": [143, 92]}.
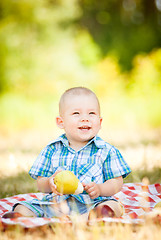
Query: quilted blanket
{"type": "Point", "coordinates": [138, 200]}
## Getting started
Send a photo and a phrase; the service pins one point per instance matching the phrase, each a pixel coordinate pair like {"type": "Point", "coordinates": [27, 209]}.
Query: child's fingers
{"type": "Point", "coordinates": [84, 184]}
{"type": "Point", "coordinates": [92, 190]}
{"type": "Point", "coordinates": [88, 187]}
{"type": "Point", "coordinates": [56, 173]}
{"type": "Point", "coordinates": [55, 191]}
{"type": "Point", "coordinates": [93, 194]}
{"type": "Point", "coordinates": [53, 186]}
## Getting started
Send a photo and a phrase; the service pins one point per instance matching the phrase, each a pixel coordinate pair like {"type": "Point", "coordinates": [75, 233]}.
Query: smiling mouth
{"type": "Point", "coordinates": [85, 128]}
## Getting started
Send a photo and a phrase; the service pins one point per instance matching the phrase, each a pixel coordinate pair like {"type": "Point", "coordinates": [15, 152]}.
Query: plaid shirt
{"type": "Point", "coordinates": [97, 162]}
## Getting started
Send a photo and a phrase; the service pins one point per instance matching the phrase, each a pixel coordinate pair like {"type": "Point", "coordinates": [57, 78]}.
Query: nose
{"type": "Point", "coordinates": [84, 118]}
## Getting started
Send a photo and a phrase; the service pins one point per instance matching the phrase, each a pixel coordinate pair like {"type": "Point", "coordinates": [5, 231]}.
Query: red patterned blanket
{"type": "Point", "coordinates": [138, 200]}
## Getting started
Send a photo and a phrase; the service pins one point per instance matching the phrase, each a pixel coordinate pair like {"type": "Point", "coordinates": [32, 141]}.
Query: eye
{"type": "Point", "coordinates": [92, 113]}
{"type": "Point", "coordinates": [75, 113]}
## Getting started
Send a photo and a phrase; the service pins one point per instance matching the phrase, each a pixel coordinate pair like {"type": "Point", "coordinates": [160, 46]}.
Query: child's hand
{"type": "Point", "coordinates": [92, 189]}
{"type": "Point", "coordinates": [52, 185]}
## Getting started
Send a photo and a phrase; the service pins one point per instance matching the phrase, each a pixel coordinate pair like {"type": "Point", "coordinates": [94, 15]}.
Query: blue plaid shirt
{"type": "Point", "coordinates": [97, 161]}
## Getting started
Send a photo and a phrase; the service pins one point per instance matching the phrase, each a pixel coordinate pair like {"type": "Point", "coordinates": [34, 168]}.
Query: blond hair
{"type": "Point", "coordinates": [75, 91]}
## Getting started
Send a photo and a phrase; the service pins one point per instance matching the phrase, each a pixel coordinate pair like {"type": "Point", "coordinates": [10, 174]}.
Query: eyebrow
{"type": "Point", "coordinates": [88, 110]}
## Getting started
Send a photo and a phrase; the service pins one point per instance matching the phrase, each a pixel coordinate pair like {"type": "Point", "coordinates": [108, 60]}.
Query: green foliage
{"type": "Point", "coordinates": [133, 96]}
{"type": "Point", "coordinates": [48, 46]}
{"type": "Point", "coordinates": [88, 51]}
{"type": "Point", "coordinates": [123, 28]}
{"type": "Point", "coordinates": [20, 112]}
{"type": "Point", "coordinates": [21, 183]}
{"type": "Point", "coordinates": [30, 33]}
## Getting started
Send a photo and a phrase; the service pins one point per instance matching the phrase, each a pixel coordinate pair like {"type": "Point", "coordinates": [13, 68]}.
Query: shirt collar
{"type": "Point", "coordinates": [62, 139]}
{"type": "Point", "coordinates": [100, 143]}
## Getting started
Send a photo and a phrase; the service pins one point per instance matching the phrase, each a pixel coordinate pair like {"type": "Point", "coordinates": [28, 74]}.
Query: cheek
{"type": "Point", "coordinates": [97, 122]}
{"type": "Point", "coordinates": [98, 126]}
{"type": "Point", "coordinates": [72, 122]}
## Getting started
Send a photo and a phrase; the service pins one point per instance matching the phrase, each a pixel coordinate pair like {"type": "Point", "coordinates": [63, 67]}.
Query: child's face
{"type": "Point", "coordinates": [80, 119]}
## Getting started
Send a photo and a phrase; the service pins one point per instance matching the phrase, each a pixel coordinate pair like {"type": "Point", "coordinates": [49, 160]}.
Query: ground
{"type": "Point", "coordinates": [18, 153]}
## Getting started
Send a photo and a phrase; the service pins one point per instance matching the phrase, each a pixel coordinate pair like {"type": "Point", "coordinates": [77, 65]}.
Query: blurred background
{"type": "Point", "coordinates": [112, 47]}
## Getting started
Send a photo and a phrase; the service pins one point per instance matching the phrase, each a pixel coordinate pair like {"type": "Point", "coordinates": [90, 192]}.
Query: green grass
{"type": "Point", "coordinates": [13, 185]}
{"type": "Point", "coordinates": [23, 183]}
{"type": "Point", "coordinates": [151, 176]}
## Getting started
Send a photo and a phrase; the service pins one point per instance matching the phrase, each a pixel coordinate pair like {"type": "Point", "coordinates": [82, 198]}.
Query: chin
{"type": "Point", "coordinates": [87, 139]}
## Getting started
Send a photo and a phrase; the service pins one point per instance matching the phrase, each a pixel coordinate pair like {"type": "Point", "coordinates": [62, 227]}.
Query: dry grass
{"type": "Point", "coordinates": [101, 231]}
{"type": "Point", "coordinates": [18, 151]}
{"type": "Point", "coordinates": [16, 158]}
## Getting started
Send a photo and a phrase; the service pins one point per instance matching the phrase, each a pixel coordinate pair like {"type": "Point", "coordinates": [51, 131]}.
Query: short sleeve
{"type": "Point", "coordinates": [115, 165]}
{"type": "Point", "coordinates": [42, 165]}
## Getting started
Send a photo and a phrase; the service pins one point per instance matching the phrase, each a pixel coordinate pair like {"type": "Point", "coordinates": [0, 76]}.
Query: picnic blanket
{"type": "Point", "coordinates": [138, 200]}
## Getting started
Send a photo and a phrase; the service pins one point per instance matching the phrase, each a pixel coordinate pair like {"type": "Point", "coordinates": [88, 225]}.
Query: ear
{"type": "Point", "coordinates": [100, 121]}
{"type": "Point", "coordinates": [59, 122]}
